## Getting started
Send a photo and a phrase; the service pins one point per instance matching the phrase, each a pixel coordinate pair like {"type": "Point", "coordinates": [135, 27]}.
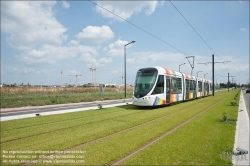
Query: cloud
{"type": "Point", "coordinates": [243, 29]}
{"type": "Point", "coordinates": [130, 60]}
{"type": "Point", "coordinates": [52, 54]}
{"type": "Point", "coordinates": [73, 72]}
{"type": "Point", "coordinates": [92, 61]}
{"type": "Point", "coordinates": [125, 9]}
{"type": "Point", "coordinates": [116, 49]}
{"type": "Point", "coordinates": [105, 60]}
{"type": "Point", "coordinates": [22, 71]}
{"type": "Point", "coordinates": [73, 43]}
{"type": "Point", "coordinates": [146, 57]}
{"type": "Point", "coordinates": [31, 23]}
{"type": "Point", "coordinates": [95, 34]}
{"type": "Point", "coordinates": [65, 4]}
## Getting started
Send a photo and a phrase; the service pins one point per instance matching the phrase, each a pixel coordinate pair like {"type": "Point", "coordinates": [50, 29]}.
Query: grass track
{"type": "Point", "coordinates": [20, 133]}
{"type": "Point", "coordinates": [124, 143]}
{"type": "Point", "coordinates": [99, 152]}
{"type": "Point", "coordinates": [62, 125]}
{"type": "Point", "coordinates": [200, 142]}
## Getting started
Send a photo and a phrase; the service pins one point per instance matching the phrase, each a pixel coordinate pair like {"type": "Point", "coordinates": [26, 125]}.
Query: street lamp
{"type": "Point", "coordinates": [205, 75]}
{"type": "Point", "coordinates": [198, 72]}
{"type": "Point", "coordinates": [125, 69]}
{"type": "Point", "coordinates": [180, 65]}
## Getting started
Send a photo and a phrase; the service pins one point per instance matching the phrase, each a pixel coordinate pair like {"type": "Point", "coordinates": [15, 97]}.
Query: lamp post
{"type": "Point", "coordinates": [125, 69]}
{"type": "Point", "coordinates": [198, 72]}
{"type": "Point", "coordinates": [205, 75]}
{"type": "Point", "coordinates": [180, 65]}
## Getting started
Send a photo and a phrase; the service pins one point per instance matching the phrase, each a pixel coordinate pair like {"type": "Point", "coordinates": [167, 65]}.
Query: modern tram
{"type": "Point", "coordinates": [155, 86]}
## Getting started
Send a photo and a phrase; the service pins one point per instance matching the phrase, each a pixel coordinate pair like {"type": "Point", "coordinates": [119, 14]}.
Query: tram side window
{"type": "Point", "coordinates": [159, 88]}
{"type": "Point", "coordinates": [167, 85]}
{"type": "Point", "coordinates": [187, 86]}
{"type": "Point", "coordinates": [179, 85]}
{"type": "Point", "coordinates": [176, 85]}
{"type": "Point", "coordinates": [193, 86]}
{"type": "Point", "coordinates": [200, 86]}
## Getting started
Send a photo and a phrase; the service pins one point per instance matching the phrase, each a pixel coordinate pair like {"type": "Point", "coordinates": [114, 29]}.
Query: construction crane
{"type": "Point", "coordinates": [61, 76]}
{"type": "Point", "coordinates": [76, 75]}
{"type": "Point", "coordinates": [93, 69]}
{"type": "Point", "coordinates": [122, 76]}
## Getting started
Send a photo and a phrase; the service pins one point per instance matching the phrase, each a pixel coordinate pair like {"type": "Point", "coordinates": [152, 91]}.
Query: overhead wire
{"type": "Point", "coordinates": [138, 27]}
{"type": "Point", "coordinates": [197, 33]}
{"type": "Point", "coordinates": [146, 30]}
{"type": "Point", "coordinates": [194, 29]}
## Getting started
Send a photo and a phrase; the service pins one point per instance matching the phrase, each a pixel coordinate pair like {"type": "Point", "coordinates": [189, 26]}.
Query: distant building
{"type": "Point", "coordinates": [110, 85]}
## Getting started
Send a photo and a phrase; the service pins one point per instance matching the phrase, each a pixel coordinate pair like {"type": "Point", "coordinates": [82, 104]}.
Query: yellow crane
{"type": "Point", "coordinates": [93, 69]}
{"type": "Point", "coordinates": [122, 76]}
{"type": "Point", "coordinates": [76, 75]}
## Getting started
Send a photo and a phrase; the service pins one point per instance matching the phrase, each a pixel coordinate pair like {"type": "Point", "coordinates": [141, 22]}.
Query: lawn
{"type": "Point", "coordinates": [98, 137]}
{"type": "Point", "coordinates": [14, 97]}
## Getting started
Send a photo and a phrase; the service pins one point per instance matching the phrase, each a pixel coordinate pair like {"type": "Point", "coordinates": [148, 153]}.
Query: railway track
{"type": "Point", "coordinates": [71, 127]}
{"type": "Point", "coordinates": [119, 160]}
{"type": "Point", "coordinates": [116, 133]}
{"type": "Point", "coordinates": [75, 126]}
{"type": "Point", "coordinates": [66, 120]}
{"type": "Point", "coordinates": [108, 136]}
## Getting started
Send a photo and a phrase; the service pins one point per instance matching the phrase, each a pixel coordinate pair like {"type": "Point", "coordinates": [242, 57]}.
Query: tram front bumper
{"type": "Point", "coordinates": [144, 101]}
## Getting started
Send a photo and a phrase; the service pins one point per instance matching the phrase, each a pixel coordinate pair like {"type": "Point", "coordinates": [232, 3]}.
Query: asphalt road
{"type": "Point", "coordinates": [60, 107]}
{"type": "Point", "coordinates": [247, 101]}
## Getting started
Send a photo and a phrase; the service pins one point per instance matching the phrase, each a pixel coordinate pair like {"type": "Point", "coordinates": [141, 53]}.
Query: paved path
{"type": "Point", "coordinates": [25, 112]}
{"type": "Point", "coordinates": [242, 132]}
{"type": "Point", "coordinates": [247, 101]}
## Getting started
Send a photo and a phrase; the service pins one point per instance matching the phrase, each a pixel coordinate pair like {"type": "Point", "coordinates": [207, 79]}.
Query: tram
{"type": "Point", "coordinates": [155, 86]}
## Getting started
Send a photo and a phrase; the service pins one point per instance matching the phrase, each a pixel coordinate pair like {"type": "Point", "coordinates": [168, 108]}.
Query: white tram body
{"type": "Point", "coordinates": [155, 86]}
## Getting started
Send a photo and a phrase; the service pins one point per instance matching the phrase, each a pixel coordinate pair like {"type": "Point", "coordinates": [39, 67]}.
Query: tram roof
{"type": "Point", "coordinates": [173, 73]}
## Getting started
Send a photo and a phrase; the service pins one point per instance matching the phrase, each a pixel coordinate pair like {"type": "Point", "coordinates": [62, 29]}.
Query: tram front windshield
{"type": "Point", "coordinates": [145, 80]}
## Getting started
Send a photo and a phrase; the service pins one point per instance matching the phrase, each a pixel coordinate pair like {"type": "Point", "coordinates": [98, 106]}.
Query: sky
{"type": "Point", "coordinates": [42, 39]}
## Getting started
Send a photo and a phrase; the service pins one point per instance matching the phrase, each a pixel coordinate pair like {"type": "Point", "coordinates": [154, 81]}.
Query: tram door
{"type": "Point", "coordinates": [168, 89]}
{"type": "Point", "coordinates": [207, 90]}
{"type": "Point", "coordinates": [187, 88]}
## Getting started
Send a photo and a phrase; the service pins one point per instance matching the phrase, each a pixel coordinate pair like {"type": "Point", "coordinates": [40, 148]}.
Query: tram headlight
{"type": "Point", "coordinates": [146, 98]}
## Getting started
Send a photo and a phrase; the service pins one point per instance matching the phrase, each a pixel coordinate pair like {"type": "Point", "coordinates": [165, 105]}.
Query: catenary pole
{"type": "Point", "coordinates": [213, 72]}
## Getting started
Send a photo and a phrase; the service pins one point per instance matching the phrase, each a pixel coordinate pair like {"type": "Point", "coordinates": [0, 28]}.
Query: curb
{"type": "Point", "coordinates": [242, 134]}
{"type": "Point", "coordinates": [59, 112]}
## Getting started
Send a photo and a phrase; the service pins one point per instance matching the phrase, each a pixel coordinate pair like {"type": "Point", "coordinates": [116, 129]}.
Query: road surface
{"type": "Point", "coordinates": [247, 101]}
{"type": "Point", "coordinates": [46, 110]}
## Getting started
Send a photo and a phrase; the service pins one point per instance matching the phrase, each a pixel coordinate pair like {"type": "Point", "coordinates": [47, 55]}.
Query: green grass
{"type": "Point", "coordinates": [115, 146]}
{"type": "Point", "coordinates": [21, 99]}
{"type": "Point", "coordinates": [121, 144]}
{"type": "Point", "coordinates": [199, 142]}
{"type": "Point", "coordinates": [43, 128]}
{"type": "Point", "coordinates": [100, 128]}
